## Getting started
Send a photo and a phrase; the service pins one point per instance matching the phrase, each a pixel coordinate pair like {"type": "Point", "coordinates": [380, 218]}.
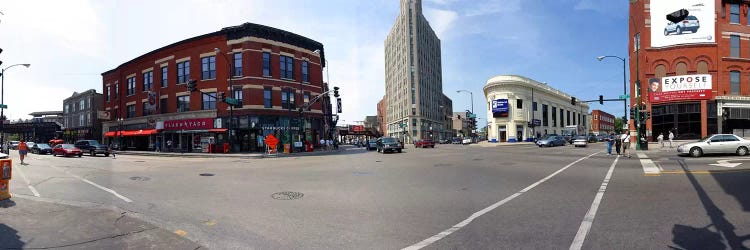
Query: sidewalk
{"type": "Point", "coordinates": [342, 148]}
{"type": "Point", "coordinates": [38, 223]}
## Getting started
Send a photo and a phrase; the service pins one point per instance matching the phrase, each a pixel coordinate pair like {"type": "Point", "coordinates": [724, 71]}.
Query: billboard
{"type": "Point", "coordinates": [679, 88]}
{"type": "Point", "coordinates": [356, 128]}
{"type": "Point", "coordinates": [500, 108]}
{"type": "Point", "coordinates": [682, 22]}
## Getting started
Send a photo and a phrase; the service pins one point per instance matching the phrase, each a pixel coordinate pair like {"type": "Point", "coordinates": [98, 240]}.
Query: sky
{"type": "Point", "coordinates": [70, 43]}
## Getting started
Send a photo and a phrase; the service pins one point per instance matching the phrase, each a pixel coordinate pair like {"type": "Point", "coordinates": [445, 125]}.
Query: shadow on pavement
{"type": "Point", "coordinates": [7, 203]}
{"type": "Point", "coordinates": [9, 238]}
{"type": "Point", "coordinates": [688, 237]}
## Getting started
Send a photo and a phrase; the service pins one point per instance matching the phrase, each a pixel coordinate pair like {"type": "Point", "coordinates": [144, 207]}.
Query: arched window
{"type": "Point", "coordinates": [660, 71]}
{"type": "Point", "coordinates": [702, 67]}
{"type": "Point", "coordinates": [681, 68]}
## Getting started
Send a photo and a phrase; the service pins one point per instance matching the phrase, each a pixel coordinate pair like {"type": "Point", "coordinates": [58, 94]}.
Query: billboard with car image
{"type": "Point", "coordinates": [682, 22]}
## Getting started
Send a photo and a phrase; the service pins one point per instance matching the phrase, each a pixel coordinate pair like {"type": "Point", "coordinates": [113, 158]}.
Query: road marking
{"type": "Point", "coordinates": [649, 167]}
{"type": "Point", "coordinates": [475, 215]}
{"type": "Point", "coordinates": [181, 233]}
{"type": "Point", "coordinates": [28, 184]}
{"type": "Point", "coordinates": [583, 230]}
{"type": "Point", "coordinates": [95, 185]}
{"type": "Point", "coordinates": [727, 171]}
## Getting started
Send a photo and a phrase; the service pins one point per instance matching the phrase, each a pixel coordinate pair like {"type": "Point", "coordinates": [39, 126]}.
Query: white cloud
{"type": "Point", "coordinates": [440, 20]}
{"type": "Point", "coordinates": [493, 7]}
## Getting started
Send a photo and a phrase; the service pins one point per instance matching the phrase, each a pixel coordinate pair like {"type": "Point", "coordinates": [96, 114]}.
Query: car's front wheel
{"type": "Point", "coordinates": [696, 152]}
{"type": "Point", "coordinates": [92, 153]}
{"type": "Point", "coordinates": [666, 32]}
{"type": "Point", "coordinates": [679, 30]}
{"type": "Point", "coordinates": [742, 151]}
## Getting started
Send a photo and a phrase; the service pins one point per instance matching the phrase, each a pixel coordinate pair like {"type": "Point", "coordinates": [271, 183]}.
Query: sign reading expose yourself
{"type": "Point", "coordinates": [678, 88]}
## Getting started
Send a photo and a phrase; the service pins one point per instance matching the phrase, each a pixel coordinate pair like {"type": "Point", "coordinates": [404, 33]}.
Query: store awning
{"type": "Point", "coordinates": [141, 132]}
{"type": "Point", "coordinates": [217, 130]}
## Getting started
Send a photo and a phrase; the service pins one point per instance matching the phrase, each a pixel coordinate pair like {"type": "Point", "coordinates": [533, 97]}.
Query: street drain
{"type": "Point", "coordinates": [206, 174]}
{"type": "Point", "coordinates": [140, 178]}
{"type": "Point", "coordinates": [287, 195]}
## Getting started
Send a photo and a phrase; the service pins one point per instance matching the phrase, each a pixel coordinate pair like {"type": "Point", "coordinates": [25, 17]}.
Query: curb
{"type": "Point", "coordinates": [245, 156]}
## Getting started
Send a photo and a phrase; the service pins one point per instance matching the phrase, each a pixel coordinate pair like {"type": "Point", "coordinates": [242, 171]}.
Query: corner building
{"type": "Point", "coordinates": [271, 72]}
{"type": "Point", "coordinates": [712, 43]}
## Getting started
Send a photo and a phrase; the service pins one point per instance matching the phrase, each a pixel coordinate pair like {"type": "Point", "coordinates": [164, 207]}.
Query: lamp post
{"type": "Point", "coordinates": [472, 99]}
{"type": "Point", "coordinates": [624, 83]}
{"type": "Point", "coordinates": [2, 94]}
{"type": "Point", "coordinates": [328, 81]}
{"type": "Point", "coordinates": [230, 73]}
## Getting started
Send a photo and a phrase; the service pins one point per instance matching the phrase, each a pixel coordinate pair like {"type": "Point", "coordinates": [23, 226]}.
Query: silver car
{"type": "Point", "coordinates": [580, 141]}
{"type": "Point", "coordinates": [690, 23]}
{"type": "Point", "coordinates": [716, 144]}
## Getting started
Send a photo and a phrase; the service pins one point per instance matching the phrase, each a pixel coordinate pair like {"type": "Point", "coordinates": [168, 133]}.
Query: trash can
{"type": "Point", "coordinates": [644, 143]}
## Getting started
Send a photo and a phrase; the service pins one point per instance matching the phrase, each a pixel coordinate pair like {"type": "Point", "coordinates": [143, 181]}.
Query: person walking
{"type": "Point", "coordinates": [660, 138]}
{"type": "Point", "coordinates": [322, 144]}
{"type": "Point", "coordinates": [610, 141]}
{"type": "Point", "coordinates": [671, 137]}
{"type": "Point", "coordinates": [626, 143]}
{"type": "Point", "coordinates": [23, 149]}
{"type": "Point", "coordinates": [158, 146]}
{"type": "Point", "coordinates": [111, 150]}
{"type": "Point", "coordinates": [618, 143]}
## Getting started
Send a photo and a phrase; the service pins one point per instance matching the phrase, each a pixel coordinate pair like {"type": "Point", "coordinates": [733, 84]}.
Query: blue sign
{"type": "Point", "coordinates": [500, 106]}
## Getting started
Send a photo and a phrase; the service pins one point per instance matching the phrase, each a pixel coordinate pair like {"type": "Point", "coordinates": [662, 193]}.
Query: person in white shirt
{"type": "Point", "coordinates": [322, 144]}
{"type": "Point", "coordinates": [626, 143]}
{"type": "Point", "coordinates": [671, 136]}
{"type": "Point", "coordinates": [661, 139]}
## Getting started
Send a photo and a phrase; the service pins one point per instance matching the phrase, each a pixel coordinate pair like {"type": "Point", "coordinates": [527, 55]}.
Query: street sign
{"type": "Point", "coordinates": [232, 101]}
{"type": "Point", "coordinates": [3, 106]}
{"type": "Point", "coordinates": [472, 116]}
{"type": "Point", "coordinates": [624, 96]}
{"type": "Point", "coordinates": [271, 141]}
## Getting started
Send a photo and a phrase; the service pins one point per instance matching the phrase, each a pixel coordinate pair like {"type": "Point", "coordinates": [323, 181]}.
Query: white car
{"type": "Point", "coordinates": [466, 141]}
{"type": "Point", "coordinates": [580, 141]}
{"type": "Point", "coordinates": [716, 144]}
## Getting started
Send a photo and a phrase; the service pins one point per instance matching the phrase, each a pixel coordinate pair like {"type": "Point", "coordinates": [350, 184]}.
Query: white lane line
{"type": "Point", "coordinates": [583, 230]}
{"type": "Point", "coordinates": [649, 167]}
{"type": "Point", "coordinates": [95, 185]}
{"type": "Point", "coordinates": [465, 222]}
{"type": "Point", "coordinates": [28, 184]}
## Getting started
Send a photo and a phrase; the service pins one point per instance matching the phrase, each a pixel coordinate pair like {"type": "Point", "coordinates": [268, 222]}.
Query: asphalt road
{"type": "Point", "coordinates": [449, 197]}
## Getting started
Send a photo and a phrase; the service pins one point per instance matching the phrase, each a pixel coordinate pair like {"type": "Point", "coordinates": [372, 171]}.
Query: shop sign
{"type": "Point", "coordinates": [500, 108]}
{"type": "Point", "coordinates": [680, 88]}
{"type": "Point", "coordinates": [189, 124]}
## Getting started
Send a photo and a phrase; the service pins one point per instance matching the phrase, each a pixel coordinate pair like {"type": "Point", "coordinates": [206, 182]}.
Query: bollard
{"type": "Point", "coordinates": [6, 172]}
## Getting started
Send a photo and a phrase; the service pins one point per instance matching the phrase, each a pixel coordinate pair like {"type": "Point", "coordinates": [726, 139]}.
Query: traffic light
{"type": "Point", "coordinates": [645, 115]}
{"type": "Point", "coordinates": [572, 100]}
{"type": "Point", "coordinates": [336, 92]}
{"type": "Point", "coordinates": [223, 97]}
{"type": "Point", "coordinates": [192, 85]}
{"type": "Point", "coordinates": [459, 117]}
{"type": "Point", "coordinates": [1, 51]}
{"type": "Point", "coordinates": [338, 103]}
{"type": "Point", "coordinates": [601, 99]}
{"type": "Point", "coordinates": [632, 113]}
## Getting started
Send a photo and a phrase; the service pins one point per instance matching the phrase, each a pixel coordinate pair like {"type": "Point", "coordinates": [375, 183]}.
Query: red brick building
{"type": "Point", "coordinates": [270, 71]}
{"type": "Point", "coordinates": [675, 42]}
{"type": "Point", "coordinates": [381, 116]}
{"type": "Point", "coordinates": [602, 123]}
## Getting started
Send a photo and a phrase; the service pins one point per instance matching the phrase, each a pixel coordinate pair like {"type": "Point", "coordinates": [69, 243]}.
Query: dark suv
{"type": "Point", "coordinates": [92, 147]}
{"type": "Point", "coordinates": [386, 144]}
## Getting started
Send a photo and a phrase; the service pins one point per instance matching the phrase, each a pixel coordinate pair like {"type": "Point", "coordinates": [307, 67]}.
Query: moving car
{"type": "Point", "coordinates": [716, 144]}
{"type": "Point", "coordinates": [580, 141]}
{"type": "Point", "coordinates": [41, 148]}
{"type": "Point", "coordinates": [551, 141]}
{"type": "Point", "coordinates": [386, 144]}
{"type": "Point", "coordinates": [690, 23]}
{"type": "Point", "coordinates": [372, 144]}
{"type": "Point", "coordinates": [427, 143]}
{"type": "Point", "coordinates": [66, 150]}
{"type": "Point", "coordinates": [92, 147]}
{"type": "Point", "coordinates": [14, 145]}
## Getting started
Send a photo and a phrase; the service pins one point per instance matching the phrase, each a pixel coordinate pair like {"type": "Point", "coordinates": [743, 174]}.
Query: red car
{"type": "Point", "coordinates": [425, 144]}
{"type": "Point", "coordinates": [66, 150]}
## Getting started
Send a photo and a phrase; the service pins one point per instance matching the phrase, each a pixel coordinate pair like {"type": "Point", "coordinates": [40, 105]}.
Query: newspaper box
{"type": "Point", "coordinates": [6, 171]}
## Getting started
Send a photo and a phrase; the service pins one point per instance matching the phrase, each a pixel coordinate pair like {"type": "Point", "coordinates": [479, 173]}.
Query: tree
{"type": "Point", "coordinates": [618, 125]}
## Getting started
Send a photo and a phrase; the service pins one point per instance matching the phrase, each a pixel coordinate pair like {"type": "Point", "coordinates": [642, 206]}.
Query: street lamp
{"type": "Point", "coordinates": [472, 98]}
{"type": "Point", "coordinates": [328, 81]}
{"type": "Point", "coordinates": [2, 93]}
{"type": "Point", "coordinates": [624, 83]}
{"type": "Point", "coordinates": [231, 106]}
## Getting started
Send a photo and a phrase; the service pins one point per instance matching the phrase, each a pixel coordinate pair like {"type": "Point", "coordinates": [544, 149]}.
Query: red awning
{"type": "Point", "coordinates": [142, 132]}
{"type": "Point", "coordinates": [110, 134]}
{"type": "Point", "coordinates": [218, 130]}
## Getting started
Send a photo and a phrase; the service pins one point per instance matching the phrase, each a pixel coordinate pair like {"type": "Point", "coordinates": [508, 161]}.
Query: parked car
{"type": "Point", "coordinates": [427, 143]}
{"type": "Point", "coordinates": [690, 23]}
{"type": "Point", "coordinates": [66, 150]}
{"type": "Point", "coordinates": [456, 140]}
{"type": "Point", "coordinates": [93, 147]}
{"type": "Point", "coordinates": [41, 148]}
{"type": "Point", "coordinates": [580, 141]}
{"type": "Point", "coordinates": [372, 144]}
{"type": "Point", "coordinates": [551, 141]}
{"type": "Point", "coordinates": [386, 144]}
{"type": "Point", "coordinates": [716, 144]}
{"type": "Point", "coordinates": [14, 145]}
{"type": "Point", "coordinates": [600, 138]}
{"type": "Point", "coordinates": [592, 139]}
{"type": "Point", "coordinates": [466, 141]}
{"type": "Point", "coordinates": [443, 141]}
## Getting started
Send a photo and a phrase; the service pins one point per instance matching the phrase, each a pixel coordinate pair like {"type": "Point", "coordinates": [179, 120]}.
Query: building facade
{"type": "Point", "coordinates": [461, 124]}
{"type": "Point", "coordinates": [446, 109]}
{"type": "Point", "coordinates": [413, 75]}
{"type": "Point", "coordinates": [521, 109]}
{"type": "Point", "coordinates": [602, 123]}
{"type": "Point", "coordinates": [271, 72]}
{"type": "Point", "coordinates": [381, 116]}
{"type": "Point", "coordinates": [694, 82]}
{"type": "Point", "coordinates": [80, 119]}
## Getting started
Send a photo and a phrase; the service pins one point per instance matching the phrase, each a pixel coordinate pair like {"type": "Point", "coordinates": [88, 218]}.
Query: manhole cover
{"type": "Point", "coordinates": [140, 178]}
{"type": "Point", "coordinates": [287, 195]}
{"type": "Point", "coordinates": [206, 174]}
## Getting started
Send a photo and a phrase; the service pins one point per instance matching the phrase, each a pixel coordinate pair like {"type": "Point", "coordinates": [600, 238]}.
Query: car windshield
{"type": "Point", "coordinates": [389, 140]}
{"type": "Point", "coordinates": [704, 139]}
{"type": "Point", "coordinates": [67, 146]}
{"type": "Point", "coordinates": [42, 145]}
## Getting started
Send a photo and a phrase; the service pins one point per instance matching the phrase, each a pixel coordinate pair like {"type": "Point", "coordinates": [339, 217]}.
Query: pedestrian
{"type": "Point", "coordinates": [618, 143]}
{"type": "Point", "coordinates": [660, 138]}
{"type": "Point", "coordinates": [610, 141]}
{"type": "Point", "coordinates": [22, 150]}
{"type": "Point", "coordinates": [671, 137]}
{"type": "Point", "coordinates": [626, 143]}
{"type": "Point", "coordinates": [5, 148]}
{"type": "Point", "coordinates": [158, 146]}
{"type": "Point", "coordinates": [322, 143]}
{"type": "Point", "coordinates": [169, 145]}
{"type": "Point", "coordinates": [336, 144]}
{"type": "Point", "coordinates": [329, 144]}
{"type": "Point", "coordinates": [111, 150]}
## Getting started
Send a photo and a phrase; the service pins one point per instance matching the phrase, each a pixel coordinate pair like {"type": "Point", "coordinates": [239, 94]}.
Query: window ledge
{"type": "Point", "coordinates": [736, 59]}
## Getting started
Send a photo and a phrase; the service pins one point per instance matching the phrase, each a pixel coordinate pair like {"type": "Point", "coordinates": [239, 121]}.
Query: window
{"type": "Point", "coordinates": [734, 46]}
{"type": "Point", "coordinates": [148, 80]}
{"type": "Point", "coordinates": [209, 101]}
{"type": "Point", "coordinates": [287, 67]}
{"type": "Point", "coordinates": [208, 66]}
{"type": "Point", "coordinates": [266, 64]}
{"type": "Point", "coordinates": [108, 93]}
{"type": "Point", "coordinates": [163, 106]}
{"type": "Point", "coordinates": [533, 106]}
{"type": "Point", "coordinates": [145, 109]}
{"type": "Point", "coordinates": [117, 90]}
{"type": "Point", "coordinates": [267, 97]}
{"type": "Point", "coordinates": [306, 97]}
{"type": "Point", "coordinates": [287, 99]}
{"type": "Point", "coordinates": [183, 72]}
{"type": "Point", "coordinates": [82, 120]}
{"type": "Point", "coordinates": [681, 68]}
{"type": "Point", "coordinates": [65, 108]}
{"type": "Point", "coordinates": [131, 86]}
{"type": "Point", "coordinates": [237, 64]}
{"type": "Point", "coordinates": [734, 13]}
{"type": "Point", "coordinates": [734, 82]}
{"type": "Point", "coordinates": [544, 115]}
{"type": "Point", "coordinates": [730, 138]}
{"type": "Point", "coordinates": [83, 104]}
{"type": "Point", "coordinates": [554, 117]}
{"type": "Point", "coordinates": [305, 74]}
{"type": "Point", "coordinates": [164, 77]}
{"type": "Point", "coordinates": [131, 111]}
{"type": "Point", "coordinates": [88, 102]}
{"type": "Point", "coordinates": [237, 93]}
{"type": "Point", "coordinates": [519, 103]}
{"type": "Point", "coordinates": [567, 118]}
{"type": "Point", "coordinates": [183, 103]}
{"type": "Point", "coordinates": [562, 118]}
